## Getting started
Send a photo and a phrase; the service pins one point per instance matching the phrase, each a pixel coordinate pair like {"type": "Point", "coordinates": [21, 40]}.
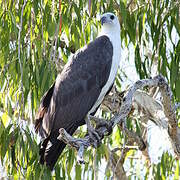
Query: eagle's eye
{"type": "Point", "coordinates": [112, 17]}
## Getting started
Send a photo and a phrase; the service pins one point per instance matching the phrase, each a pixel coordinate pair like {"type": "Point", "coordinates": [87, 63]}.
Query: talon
{"type": "Point", "coordinates": [109, 128]}
{"type": "Point", "coordinates": [107, 125]}
{"type": "Point", "coordinates": [95, 138]}
{"type": "Point", "coordinates": [101, 123]}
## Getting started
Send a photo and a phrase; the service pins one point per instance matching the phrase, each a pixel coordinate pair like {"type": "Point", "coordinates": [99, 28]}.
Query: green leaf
{"type": "Point", "coordinates": [78, 172]}
{"type": "Point", "coordinates": [176, 175]}
{"type": "Point", "coordinates": [5, 119]}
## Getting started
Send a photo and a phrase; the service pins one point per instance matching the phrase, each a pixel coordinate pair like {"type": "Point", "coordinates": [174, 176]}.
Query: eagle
{"type": "Point", "coordinates": [79, 89]}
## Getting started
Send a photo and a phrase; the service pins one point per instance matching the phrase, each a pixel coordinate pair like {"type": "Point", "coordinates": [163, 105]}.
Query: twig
{"type": "Point", "coordinates": [60, 18]}
{"type": "Point", "coordinates": [44, 50]}
{"type": "Point", "coordinates": [19, 50]}
{"type": "Point", "coordinates": [54, 43]}
{"type": "Point", "coordinates": [128, 5]}
{"type": "Point", "coordinates": [117, 172]}
{"type": "Point", "coordinates": [134, 137]}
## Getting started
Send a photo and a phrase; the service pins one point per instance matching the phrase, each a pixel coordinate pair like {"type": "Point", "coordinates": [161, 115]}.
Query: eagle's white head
{"type": "Point", "coordinates": [110, 24]}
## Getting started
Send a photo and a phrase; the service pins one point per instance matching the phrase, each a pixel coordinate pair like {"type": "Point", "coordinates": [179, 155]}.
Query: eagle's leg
{"type": "Point", "coordinates": [102, 122]}
{"type": "Point", "coordinates": [93, 134]}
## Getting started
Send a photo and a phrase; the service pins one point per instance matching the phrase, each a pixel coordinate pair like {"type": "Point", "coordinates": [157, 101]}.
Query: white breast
{"type": "Point", "coordinates": [116, 42]}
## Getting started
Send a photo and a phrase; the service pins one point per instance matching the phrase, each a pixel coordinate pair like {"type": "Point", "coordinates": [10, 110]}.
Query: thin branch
{"type": "Point", "coordinates": [19, 50]}
{"type": "Point", "coordinates": [128, 5]}
{"type": "Point", "coordinates": [134, 137]}
{"type": "Point", "coordinates": [118, 169]}
{"type": "Point", "coordinates": [42, 15]}
{"type": "Point", "coordinates": [54, 43]}
{"type": "Point", "coordinates": [60, 17]}
{"type": "Point", "coordinates": [115, 162]}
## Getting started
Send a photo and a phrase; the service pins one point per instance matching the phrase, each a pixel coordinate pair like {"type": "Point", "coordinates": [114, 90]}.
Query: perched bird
{"type": "Point", "coordinates": [79, 89]}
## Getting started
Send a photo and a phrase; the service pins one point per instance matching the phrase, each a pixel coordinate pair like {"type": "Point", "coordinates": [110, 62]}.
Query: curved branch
{"type": "Point", "coordinates": [158, 81]}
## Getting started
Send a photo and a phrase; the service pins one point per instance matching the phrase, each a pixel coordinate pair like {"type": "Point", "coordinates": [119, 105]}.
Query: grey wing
{"type": "Point", "coordinates": [79, 85]}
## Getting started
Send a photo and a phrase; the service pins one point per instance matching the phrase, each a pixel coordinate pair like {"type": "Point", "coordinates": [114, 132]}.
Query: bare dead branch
{"type": "Point", "coordinates": [170, 112]}
{"type": "Point", "coordinates": [158, 81]}
{"type": "Point", "coordinates": [118, 170]}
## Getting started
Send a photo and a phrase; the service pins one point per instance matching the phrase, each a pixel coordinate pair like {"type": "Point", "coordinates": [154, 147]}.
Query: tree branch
{"type": "Point", "coordinates": [80, 144]}
{"type": "Point", "coordinates": [170, 112]}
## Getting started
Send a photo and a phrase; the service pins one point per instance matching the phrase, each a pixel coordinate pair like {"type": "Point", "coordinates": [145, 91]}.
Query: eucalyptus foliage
{"type": "Point", "coordinates": [36, 39]}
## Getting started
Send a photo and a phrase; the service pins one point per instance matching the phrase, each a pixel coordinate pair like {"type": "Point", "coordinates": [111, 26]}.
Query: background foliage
{"type": "Point", "coordinates": [36, 39]}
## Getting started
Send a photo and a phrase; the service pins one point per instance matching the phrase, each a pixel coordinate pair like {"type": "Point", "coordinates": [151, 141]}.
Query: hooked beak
{"type": "Point", "coordinates": [103, 20]}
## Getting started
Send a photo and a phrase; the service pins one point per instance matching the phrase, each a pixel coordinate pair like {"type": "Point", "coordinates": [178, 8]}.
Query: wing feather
{"type": "Point", "coordinates": [79, 85]}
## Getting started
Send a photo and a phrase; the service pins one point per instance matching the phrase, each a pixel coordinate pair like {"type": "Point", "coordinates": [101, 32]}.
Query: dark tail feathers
{"type": "Point", "coordinates": [51, 147]}
{"type": "Point", "coordinates": [45, 101]}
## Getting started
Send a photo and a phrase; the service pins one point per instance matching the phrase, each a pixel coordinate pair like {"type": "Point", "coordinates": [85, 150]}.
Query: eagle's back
{"type": "Point", "coordinates": [74, 93]}
{"type": "Point", "coordinates": [78, 86]}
